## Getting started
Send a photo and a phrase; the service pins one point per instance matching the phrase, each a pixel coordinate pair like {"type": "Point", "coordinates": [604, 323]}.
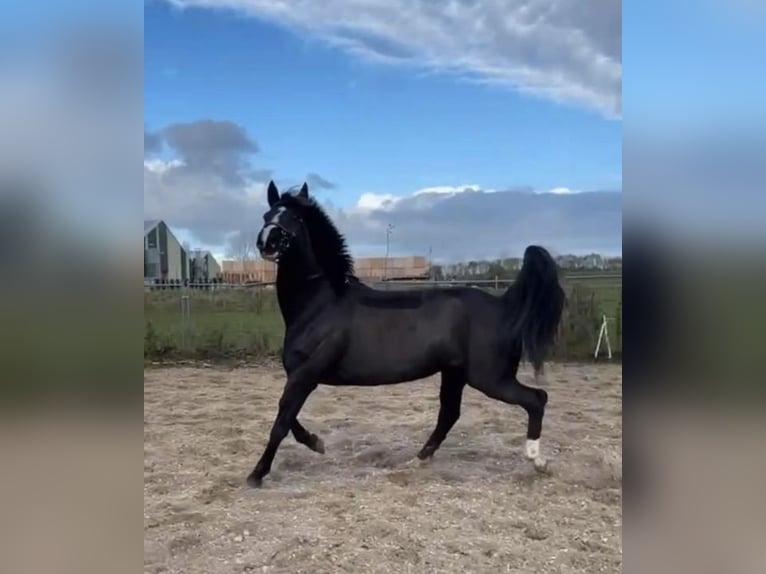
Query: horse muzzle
{"type": "Point", "coordinates": [272, 242]}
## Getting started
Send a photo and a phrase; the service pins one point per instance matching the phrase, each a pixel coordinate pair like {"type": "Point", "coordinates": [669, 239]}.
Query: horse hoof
{"type": "Point", "coordinates": [427, 452]}
{"type": "Point", "coordinates": [541, 464]}
{"type": "Point", "coordinates": [254, 482]}
{"type": "Point", "coordinates": [319, 445]}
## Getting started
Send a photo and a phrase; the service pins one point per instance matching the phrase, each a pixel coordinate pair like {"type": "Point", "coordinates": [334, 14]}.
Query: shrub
{"type": "Point", "coordinates": [580, 324]}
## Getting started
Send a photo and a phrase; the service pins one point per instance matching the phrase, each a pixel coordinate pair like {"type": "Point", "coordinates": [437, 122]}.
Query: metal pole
{"type": "Point", "coordinates": [430, 265]}
{"type": "Point", "coordinates": [185, 319]}
{"type": "Point", "coordinates": [389, 227]}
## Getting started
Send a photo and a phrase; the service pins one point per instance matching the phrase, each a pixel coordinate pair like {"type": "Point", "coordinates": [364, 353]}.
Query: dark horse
{"type": "Point", "coordinates": [342, 332]}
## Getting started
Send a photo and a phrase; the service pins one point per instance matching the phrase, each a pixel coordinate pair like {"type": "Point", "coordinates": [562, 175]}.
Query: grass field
{"type": "Point", "coordinates": [246, 323]}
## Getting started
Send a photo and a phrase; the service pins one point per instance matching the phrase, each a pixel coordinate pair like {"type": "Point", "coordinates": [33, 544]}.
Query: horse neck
{"type": "Point", "coordinates": [300, 283]}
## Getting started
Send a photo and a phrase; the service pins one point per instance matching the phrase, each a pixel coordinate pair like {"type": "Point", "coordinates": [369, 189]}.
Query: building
{"type": "Point", "coordinates": [164, 256]}
{"type": "Point", "coordinates": [203, 267]}
{"type": "Point", "coordinates": [249, 271]}
{"type": "Point", "coordinates": [391, 268]}
{"type": "Point", "coordinates": [369, 269]}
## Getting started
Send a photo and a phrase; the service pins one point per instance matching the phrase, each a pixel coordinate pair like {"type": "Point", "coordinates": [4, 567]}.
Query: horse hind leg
{"type": "Point", "coordinates": [307, 438]}
{"type": "Point", "coordinates": [533, 401]}
{"type": "Point", "coordinates": [450, 398]}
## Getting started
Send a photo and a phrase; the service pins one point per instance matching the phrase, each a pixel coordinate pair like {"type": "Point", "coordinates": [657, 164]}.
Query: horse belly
{"type": "Point", "coordinates": [394, 357]}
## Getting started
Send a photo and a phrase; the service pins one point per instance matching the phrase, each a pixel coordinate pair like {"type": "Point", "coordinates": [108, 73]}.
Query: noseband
{"type": "Point", "coordinates": [286, 240]}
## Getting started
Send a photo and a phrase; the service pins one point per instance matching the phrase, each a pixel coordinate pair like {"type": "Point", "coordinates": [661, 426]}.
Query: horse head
{"type": "Point", "coordinates": [296, 228]}
{"type": "Point", "coordinates": [283, 227]}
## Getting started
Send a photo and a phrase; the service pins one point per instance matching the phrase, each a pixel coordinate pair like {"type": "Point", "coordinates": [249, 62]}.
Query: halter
{"type": "Point", "coordinates": [286, 237]}
{"type": "Point", "coordinates": [284, 244]}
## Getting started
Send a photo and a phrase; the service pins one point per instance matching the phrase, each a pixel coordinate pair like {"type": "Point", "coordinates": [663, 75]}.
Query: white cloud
{"type": "Point", "coordinates": [372, 201]}
{"type": "Point", "coordinates": [459, 222]}
{"type": "Point", "coordinates": [426, 197]}
{"type": "Point", "coordinates": [563, 50]}
{"type": "Point", "coordinates": [204, 203]}
{"type": "Point", "coordinates": [160, 166]}
{"type": "Point", "coordinates": [470, 223]}
{"type": "Point", "coordinates": [562, 191]}
{"type": "Point", "coordinates": [214, 203]}
{"type": "Point", "coordinates": [448, 189]}
{"type": "Point", "coordinates": [423, 198]}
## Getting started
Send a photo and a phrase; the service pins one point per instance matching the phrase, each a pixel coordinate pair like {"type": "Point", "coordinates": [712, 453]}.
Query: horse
{"type": "Point", "coordinates": [339, 331]}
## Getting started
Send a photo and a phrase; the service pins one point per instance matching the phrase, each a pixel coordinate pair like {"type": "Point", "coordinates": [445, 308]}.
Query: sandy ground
{"type": "Point", "coordinates": [368, 505]}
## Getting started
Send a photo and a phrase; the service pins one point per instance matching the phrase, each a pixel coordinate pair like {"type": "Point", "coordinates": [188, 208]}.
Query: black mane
{"type": "Point", "coordinates": [327, 243]}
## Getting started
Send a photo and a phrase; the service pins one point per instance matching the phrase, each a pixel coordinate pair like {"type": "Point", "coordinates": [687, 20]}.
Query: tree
{"type": "Point", "coordinates": [242, 246]}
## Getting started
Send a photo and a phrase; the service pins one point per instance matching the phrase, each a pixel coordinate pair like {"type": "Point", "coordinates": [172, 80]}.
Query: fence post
{"type": "Point", "coordinates": [185, 319]}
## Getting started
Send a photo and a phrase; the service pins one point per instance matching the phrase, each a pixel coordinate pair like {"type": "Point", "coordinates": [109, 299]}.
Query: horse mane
{"type": "Point", "coordinates": [328, 244]}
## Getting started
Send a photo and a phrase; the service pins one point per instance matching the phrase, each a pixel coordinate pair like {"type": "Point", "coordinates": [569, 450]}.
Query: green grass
{"type": "Point", "coordinates": [244, 323]}
{"type": "Point", "coordinates": [247, 324]}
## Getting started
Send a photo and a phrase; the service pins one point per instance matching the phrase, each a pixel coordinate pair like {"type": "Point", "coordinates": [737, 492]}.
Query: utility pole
{"type": "Point", "coordinates": [389, 227]}
{"type": "Point", "coordinates": [430, 265]}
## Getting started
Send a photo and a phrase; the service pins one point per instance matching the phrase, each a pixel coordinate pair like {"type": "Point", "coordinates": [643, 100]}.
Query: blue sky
{"type": "Point", "coordinates": [693, 64]}
{"type": "Point", "coordinates": [427, 114]}
{"type": "Point", "coordinates": [694, 146]}
{"type": "Point", "coordinates": [383, 112]}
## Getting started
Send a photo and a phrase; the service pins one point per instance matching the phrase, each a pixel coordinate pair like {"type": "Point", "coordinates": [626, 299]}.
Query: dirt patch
{"type": "Point", "coordinates": [368, 505]}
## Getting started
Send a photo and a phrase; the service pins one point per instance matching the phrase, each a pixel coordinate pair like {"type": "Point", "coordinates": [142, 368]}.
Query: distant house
{"type": "Point", "coordinates": [249, 271]}
{"type": "Point", "coordinates": [391, 268]}
{"type": "Point", "coordinates": [366, 268]}
{"type": "Point", "coordinates": [203, 267]}
{"type": "Point", "coordinates": [164, 256]}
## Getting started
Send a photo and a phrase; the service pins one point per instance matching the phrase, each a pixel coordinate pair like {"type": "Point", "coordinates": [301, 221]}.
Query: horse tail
{"type": "Point", "coordinates": [534, 303]}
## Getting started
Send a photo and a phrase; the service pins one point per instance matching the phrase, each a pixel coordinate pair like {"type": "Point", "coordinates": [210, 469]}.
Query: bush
{"type": "Point", "coordinates": [580, 324]}
{"type": "Point", "coordinates": [155, 347]}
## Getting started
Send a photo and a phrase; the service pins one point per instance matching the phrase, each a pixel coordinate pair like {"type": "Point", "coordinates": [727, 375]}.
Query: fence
{"type": "Point", "coordinates": [212, 320]}
{"type": "Point", "coordinates": [602, 279]}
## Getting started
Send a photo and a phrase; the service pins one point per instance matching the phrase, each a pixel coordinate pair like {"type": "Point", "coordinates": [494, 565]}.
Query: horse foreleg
{"type": "Point", "coordinates": [301, 382]}
{"type": "Point", "coordinates": [296, 392]}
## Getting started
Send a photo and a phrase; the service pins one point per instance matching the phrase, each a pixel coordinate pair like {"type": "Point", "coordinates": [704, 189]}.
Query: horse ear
{"type": "Point", "coordinates": [304, 192]}
{"type": "Point", "coordinates": [273, 194]}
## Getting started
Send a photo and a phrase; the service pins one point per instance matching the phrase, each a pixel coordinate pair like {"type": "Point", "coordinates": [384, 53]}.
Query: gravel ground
{"type": "Point", "coordinates": [368, 505]}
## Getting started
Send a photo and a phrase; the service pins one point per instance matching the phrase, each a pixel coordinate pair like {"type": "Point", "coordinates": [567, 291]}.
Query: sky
{"type": "Point", "coordinates": [694, 137]}
{"type": "Point", "coordinates": [452, 120]}
{"type": "Point", "coordinates": [693, 63]}
{"type": "Point", "coordinates": [475, 128]}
